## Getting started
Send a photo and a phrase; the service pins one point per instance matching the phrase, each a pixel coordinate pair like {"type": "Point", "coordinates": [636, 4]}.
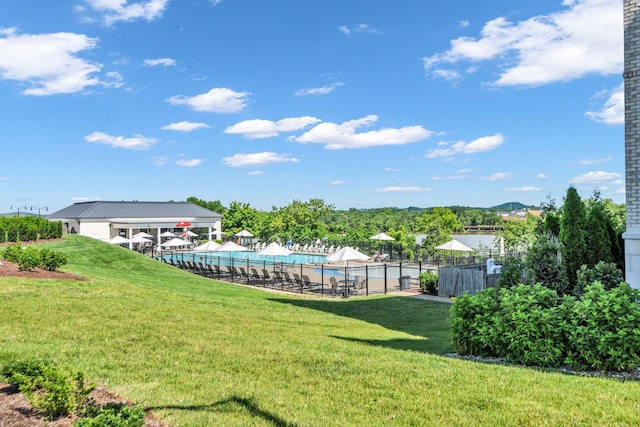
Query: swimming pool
{"type": "Point", "coordinates": [250, 257]}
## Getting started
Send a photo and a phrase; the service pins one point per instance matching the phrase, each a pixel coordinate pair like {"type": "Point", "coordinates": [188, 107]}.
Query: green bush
{"type": "Point", "coordinates": [472, 322]}
{"type": "Point", "coordinates": [29, 259]}
{"type": "Point", "coordinates": [512, 273]}
{"type": "Point", "coordinates": [12, 252]}
{"type": "Point", "coordinates": [604, 328]}
{"type": "Point", "coordinates": [52, 260]}
{"type": "Point", "coordinates": [52, 390]}
{"type": "Point", "coordinates": [528, 326]}
{"type": "Point", "coordinates": [111, 415]}
{"type": "Point", "coordinates": [607, 273]}
{"type": "Point", "coordinates": [429, 281]}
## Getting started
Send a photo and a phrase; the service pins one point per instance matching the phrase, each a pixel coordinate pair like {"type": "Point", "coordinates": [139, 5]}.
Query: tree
{"type": "Point", "coordinates": [572, 236]}
{"type": "Point", "coordinates": [598, 239]}
{"type": "Point", "coordinates": [542, 263]}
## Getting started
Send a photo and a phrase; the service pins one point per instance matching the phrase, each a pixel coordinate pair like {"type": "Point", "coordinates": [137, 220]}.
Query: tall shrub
{"type": "Point", "coordinates": [572, 237]}
{"type": "Point", "coordinates": [598, 239]}
{"type": "Point", "coordinates": [542, 263]}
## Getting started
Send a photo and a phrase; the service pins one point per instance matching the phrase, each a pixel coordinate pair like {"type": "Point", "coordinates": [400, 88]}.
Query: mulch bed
{"type": "Point", "coordinates": [16, 411]}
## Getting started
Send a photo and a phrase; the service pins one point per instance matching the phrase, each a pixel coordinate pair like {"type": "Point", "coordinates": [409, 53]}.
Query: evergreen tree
{"type": "Point", "coordinates": [542, 263]}
{"type": "Point", "coordinates": [572, 237]}
{"type": "Point", "coordinates": [598, 238]}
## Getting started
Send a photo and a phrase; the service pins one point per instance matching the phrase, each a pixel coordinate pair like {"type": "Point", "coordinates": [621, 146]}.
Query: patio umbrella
{"type": "Point", "coordinates": [244, 233]}
{"type": "Point", "coordinates": [382, 236]}
{"type": "Point", "coordinates": [347, 254]}
{"type": "Point", "coordinates": [175, 242]}
{"type": "Point", "coordinates": [183, 224]}
{"type": "Point", "coordinates": [454, 245]}
{"type": "Point", "coordinates": [274, 249]}
{"type": "Point", "coordinates": [140, 239]}
{"type": "Point", "coordinates": [230, 247]}
{"type": "Point", "coordinates": [118, 240]}
{"type": "Point", "coordinates": [143, 234]}
{"type": "Point", "coordinates": [189, 233]}
{"type": "Point", "coordinates": [207, 247]}
{"type": "Point", "coordinates": [167, 234]}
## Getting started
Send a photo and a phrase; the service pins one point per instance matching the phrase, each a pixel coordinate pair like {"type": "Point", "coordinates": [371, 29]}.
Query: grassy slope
{"type": "Point", "coordinates": [201, 352]}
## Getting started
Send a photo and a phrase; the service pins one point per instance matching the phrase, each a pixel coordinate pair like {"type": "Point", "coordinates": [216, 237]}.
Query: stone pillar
{"type": "Point", "coordinates": [632, 140]}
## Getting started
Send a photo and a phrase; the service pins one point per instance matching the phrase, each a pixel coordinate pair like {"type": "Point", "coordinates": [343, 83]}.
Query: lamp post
{"type": "Point", "coordinates": [18, 208]}
{"type": "Point", "coordinates": [46, 209]}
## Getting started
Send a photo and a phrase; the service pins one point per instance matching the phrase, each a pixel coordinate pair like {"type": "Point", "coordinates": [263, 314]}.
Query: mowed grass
{"type": "Point", "coordinates": [199, 352]}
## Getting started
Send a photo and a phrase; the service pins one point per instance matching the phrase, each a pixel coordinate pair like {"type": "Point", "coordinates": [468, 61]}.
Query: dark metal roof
{"type": "Point", "coordinates": [111, 210]}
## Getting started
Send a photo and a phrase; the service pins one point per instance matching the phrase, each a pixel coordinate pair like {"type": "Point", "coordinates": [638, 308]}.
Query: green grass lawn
{"type": "Point", "coordinates": [199, 352]}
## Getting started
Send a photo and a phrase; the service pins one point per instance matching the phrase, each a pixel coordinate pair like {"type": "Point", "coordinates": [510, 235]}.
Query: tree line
{"type": "Point", "coordinates": [315, 220]}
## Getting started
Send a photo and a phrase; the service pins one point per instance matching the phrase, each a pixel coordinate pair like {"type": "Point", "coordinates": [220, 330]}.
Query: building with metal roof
{"type": "Point", "coordinates": [105, 220]}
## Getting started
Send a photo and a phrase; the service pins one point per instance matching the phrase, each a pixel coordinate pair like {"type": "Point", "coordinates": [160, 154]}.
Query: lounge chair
{"type": "Point", "coordinates": [334, 285]}
{"type": "Point", "coordinates": [266, 277]}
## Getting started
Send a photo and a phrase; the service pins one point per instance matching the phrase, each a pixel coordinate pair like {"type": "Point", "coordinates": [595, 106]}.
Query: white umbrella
{"type": "Point", "coordinates": [167, 234]}
{"type": "Point", "coordinates": [143, 234]}
{"type": "Point", "coordinates": [189, 233]}
{"type": "Point", "coordinates": [274, 249]}
{"type": "Point", "coordinates": [244, 233]}
{"type": "Point", "coordinates": [454, 245]}
{"type": "Point", "coordinates": [118, 240]}
{"type": "Point", "coordinates": [140, 239]}
{"type": "Point", "coordinates": [230, 247]}
{"type": "Point", "coordinates": [347, 254]}
{"type": "Point", "coordinates": [382, 236]}
{"type": "Point", "coordinates": [175, 242]}
{"type": "Point", "coordinates": [207, 247]}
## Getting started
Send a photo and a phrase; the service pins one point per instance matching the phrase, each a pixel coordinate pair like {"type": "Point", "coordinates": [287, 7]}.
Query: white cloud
{"type": "Point", "coordinates": [621, 191]}
{"type": "Point", "coordinates": [485, 143]}
{"type": "Point", "coordinates": [596, 177]}
{"type": "Point", "coordinates": [160, 160]}
{"type": "Point", "coordinates": [113, 11]}
{"type": "Point", "coordinates": [137, 142]}
{"type": "Point", "coordinates": [360, 28]}
{"type": "Point", "coordinates": [588, 162]}
{"type": "Point", "coordinates": [449, 75]}
{"type": "Point", "coordinates": [499, 176]}
{"type": "Point", "coordinates": [337, 182]}
{"type": "Point", "coordinates": [612, 112]}
{"type": "Point", "coordinates": [217, 100]}
{"type": "Point", "coordinates": [339, 136]}
{"type": "Point", "coordinates": [324, 90]}
{"type": "Point", "coordinates": [400, 189]}
{"type": "Point", "coordinates": [47, 63]}
{"type": "Point", "coordinates": [542, 176]}
{"type": "Point", "coordinates": [391, 170]}
{"type": "Point", "coordinates": [257, 159]}
{"type": "Point", "coordinates": [258, 128]}
{"type": "Point", "coordinates": [165, 62]}
{"type": "Point", "coordinates": [255, 173]}
{"type": "Point", "coordinates": [215, 2]}
{"type": "Point", "coordinates": [185, 126]}
{"type": "Point", "coordinates": [522, 189]}
{"type": "Point", "coordinates": [189, 163]}
{"type": "Point", "coordinates": [547, 48]}
{"type": "Point", "coordinates": [466, 170]}
{"type": "Point", "coordinates": [464, 24]}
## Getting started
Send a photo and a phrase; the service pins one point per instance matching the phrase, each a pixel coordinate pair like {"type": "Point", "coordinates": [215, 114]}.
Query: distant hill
{"type": "Point", "coordinates": [16, 214]}
{"type": "Point", "coordinates": [511, 206]}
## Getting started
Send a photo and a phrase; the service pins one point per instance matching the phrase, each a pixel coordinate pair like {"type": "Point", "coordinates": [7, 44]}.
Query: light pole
{"type": "Point", "coordinates": [18, 208]}
{"type": "Point", "coordinates": [46, 209]}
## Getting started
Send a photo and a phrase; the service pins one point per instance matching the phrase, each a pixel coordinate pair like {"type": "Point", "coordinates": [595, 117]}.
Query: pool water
{"type": "Point", "coordinates": [236, 257]}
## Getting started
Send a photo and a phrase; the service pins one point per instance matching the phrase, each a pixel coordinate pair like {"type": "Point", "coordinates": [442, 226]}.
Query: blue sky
{"type": "Point", "coordinates": [363, 104]}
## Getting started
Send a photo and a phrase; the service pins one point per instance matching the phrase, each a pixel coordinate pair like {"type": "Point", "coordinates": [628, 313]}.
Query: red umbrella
{"type": "Point", "coordinates": [183, 224]}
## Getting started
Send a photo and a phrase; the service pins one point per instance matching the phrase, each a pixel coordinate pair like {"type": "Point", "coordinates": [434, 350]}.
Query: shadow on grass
{"type": "Point", "coordinates": [426, 319]}
{"type": "Point", "coordinates": [228, 405]}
